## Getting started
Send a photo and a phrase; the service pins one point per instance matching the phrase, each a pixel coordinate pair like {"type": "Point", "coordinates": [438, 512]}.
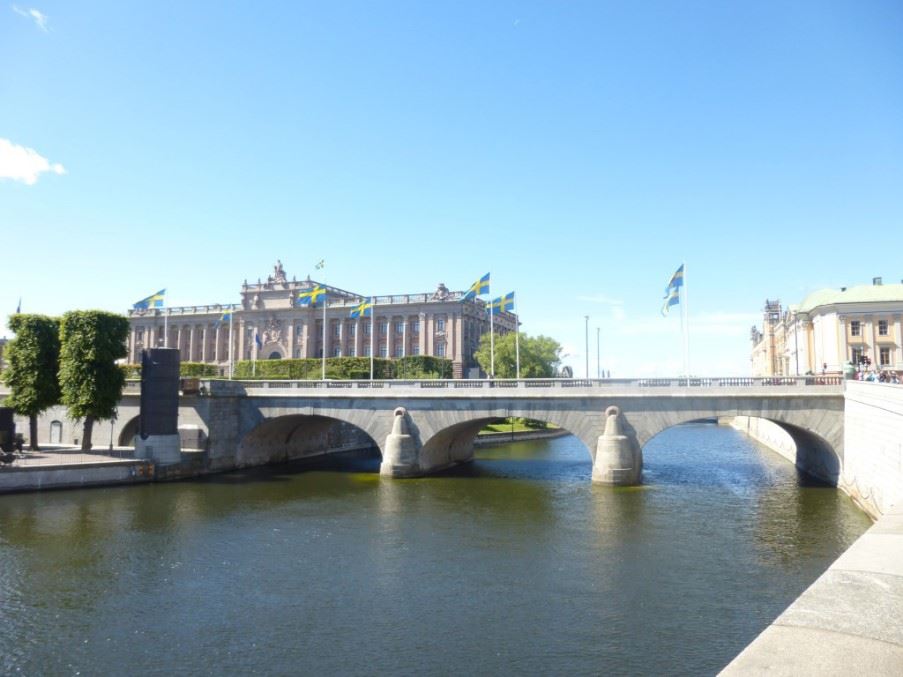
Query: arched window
{"type": "Point", "coordinates": [275, 355]}
{"type": "Point", "coordinates": [56, 432]}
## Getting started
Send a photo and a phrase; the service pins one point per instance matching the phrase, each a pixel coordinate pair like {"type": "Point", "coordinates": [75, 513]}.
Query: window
{"type": "Point", "coordinates": [415, 349]}
{"type": "Point", "coordinates": [367, 329]}
{"type": "Point", "coordinates": [415, 326]}
{"type": "Point", "coordinates": [857, 356]}
{"type": "Point", "coordinates": [399, 327]}
{"type": "Point", "coordinates": [337, 351]}
{"type": "Point", "coordinates": [351, 330]}
{"type": "Point", "coordinates": [882, 329]}
{"type": "Point", "coordinates": [884, 357]}
{"type": "Point", "coordinates": [366, 351]}
{"type": "Point", "coordinates": [337, 330]}
{"type": "Point", "coordinates": [855, 328]}
{"type": "Point", "coordinates": [440, 324]}
{"type": "Point", "coordinates": [351, 351]}
{"type": "Point", "coordinates": [383, 350]}
{"type": "Point", "coordinates": [440, 350]}
{"type": "Point", "coordinates": [398, 352]}
{"type": "Point", "coordinates": [383, 328]}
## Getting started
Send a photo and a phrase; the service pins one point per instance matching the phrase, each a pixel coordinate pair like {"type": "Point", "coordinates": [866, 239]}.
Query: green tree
{"type": "Point", "coordinates": [34, 359]}
{"type": "Point", "coordinates": [539, 356]}
{"type": "Point", "coordinates": [90, 380]}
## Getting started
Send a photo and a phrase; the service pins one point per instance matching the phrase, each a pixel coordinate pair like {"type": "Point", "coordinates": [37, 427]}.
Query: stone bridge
{"type": "Point", "coordinates": [254, 422]}
{"type": "Point", "coordinates": [248, 423]}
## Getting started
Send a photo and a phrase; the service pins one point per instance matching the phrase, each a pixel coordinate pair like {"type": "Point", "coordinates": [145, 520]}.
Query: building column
{"type": "Point", "coordinates": [404, 336]}
{"type": "Point", "coordinates": [216, 341]}
{"type": "Point", "coordinates": [305, 339]}
{"type": "Point", "coordinates": [844, 348]}
{"type": "Point", "coordinates": [192, 342]}
{"type": "Point", "coordinates": [340, 336]}
{"type": "Point", "coordinates": [423, 335]}
{"type": "Point", "coordinates": [239, 350]}
{"type": "Point", "coordinates": [390, 336]}
{"type": "Point", "coordinates": [290, 340]}
{"type": "Point", "coordinates": [204, 343]}
{"type": "Point", "coordinates": [898, 344]}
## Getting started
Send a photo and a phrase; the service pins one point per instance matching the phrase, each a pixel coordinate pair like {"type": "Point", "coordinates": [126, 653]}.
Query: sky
{"type": "Point", "coordinates": [577, 151]}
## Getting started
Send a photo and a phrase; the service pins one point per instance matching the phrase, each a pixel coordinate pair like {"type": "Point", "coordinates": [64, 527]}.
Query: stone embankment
{"type": "Point", "coordinates": [492, 439]}
{"type": "Point", "coordinates": [850, 621]}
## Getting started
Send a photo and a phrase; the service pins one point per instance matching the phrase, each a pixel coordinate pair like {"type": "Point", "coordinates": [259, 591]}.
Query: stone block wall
{"type": "Point", "coordinates": [873, 442]}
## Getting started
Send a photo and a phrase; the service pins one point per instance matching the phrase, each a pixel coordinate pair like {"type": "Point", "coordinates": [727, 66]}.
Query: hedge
{"type": "Point", "coordinates": [417, 367]}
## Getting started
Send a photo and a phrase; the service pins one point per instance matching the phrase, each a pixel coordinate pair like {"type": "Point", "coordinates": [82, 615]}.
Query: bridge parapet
{"type": "Point", "coordinates": [720, 386]}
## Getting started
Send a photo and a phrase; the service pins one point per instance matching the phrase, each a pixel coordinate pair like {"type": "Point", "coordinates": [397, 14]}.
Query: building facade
{"type": "Point", "coordinates": [830, 328]}
{"type": "Point", "coordinates": [270, 323]}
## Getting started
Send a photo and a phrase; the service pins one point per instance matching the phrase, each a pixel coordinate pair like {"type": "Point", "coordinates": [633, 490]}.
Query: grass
{"type": "Point", "coordinates": [516, 425]}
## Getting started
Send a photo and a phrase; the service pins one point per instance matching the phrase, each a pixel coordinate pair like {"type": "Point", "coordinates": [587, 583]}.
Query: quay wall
{"type": "Point", "coordinates": [770, 434]}
{"type": "Point", "coordinates": [873, 442]}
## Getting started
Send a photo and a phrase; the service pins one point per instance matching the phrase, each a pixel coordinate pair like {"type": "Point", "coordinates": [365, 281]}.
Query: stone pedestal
{"type": "Point", "coordinates": [619, 460]}
{"type": "Point", "coordinates": [401, 455]}
{"type": "Point", "coordinates": [161, 449]}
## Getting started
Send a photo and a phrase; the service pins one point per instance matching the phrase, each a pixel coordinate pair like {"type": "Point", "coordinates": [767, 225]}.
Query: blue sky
{"type": "Point", "coordinates": [578, 151]}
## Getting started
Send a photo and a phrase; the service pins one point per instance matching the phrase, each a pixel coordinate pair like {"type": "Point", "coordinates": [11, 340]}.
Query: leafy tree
{"type": "Point", "coordinates": [34, 358]}
{"type": "Point", "coordinates": [539, 356]}
{"type": "Point", "coordinates": [90, 380]}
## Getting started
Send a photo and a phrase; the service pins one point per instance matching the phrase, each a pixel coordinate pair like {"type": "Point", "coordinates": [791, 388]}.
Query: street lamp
{"type": "Point", "coordinates": [598, 364]}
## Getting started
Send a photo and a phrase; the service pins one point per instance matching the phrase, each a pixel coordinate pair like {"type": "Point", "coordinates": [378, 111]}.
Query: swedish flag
{"type": "Point", "coordinates": [225, 317]}
{"type": "Point", "coordinates": [311, 297]}
{"type": "Point", "coordinates": [363, 310]}
{"type": "Point", "coordinates": [503, 304]}
{"type": "Point", "coordinates": [152, 301]}
{"type": "Point", "coordinates": [672, 291]}
{"type": "Point", "coordinates": [677, 280]}
{"type": "Point", "coordinates": [478, 288]}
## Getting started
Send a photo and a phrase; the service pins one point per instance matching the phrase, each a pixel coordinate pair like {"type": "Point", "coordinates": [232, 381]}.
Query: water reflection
{"type": "Point", "coordinates": [512, 563]}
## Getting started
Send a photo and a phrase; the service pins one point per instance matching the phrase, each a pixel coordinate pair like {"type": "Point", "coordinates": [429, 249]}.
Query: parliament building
{"type": "Point", "coordinates": [271, 323]}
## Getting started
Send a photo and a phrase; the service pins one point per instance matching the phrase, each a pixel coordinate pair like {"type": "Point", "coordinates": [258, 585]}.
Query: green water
{"type": "Point", "coordinates": [512, 564]}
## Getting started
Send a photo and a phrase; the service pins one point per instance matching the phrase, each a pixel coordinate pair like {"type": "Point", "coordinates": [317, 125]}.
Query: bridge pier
{"type": "Point", "coordinates": [619, 459]}
{"type": "Point", "coordinates": [401, 452]}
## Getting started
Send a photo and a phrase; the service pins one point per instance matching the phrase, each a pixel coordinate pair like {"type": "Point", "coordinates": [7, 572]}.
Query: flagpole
{"type": "Point", "coordinates": [254, 354]}
{"type": "Point", "coordinates": [323, 358]}
{"type": "Point", "coordinates": [685, 325]}
{"type": "Point", "coordinates": [166, 329]}
{"type": "Point", "coordinates": [491, 340]}
{"type": "Point", "coordinates": [516, 338]}
{"type": "Point", "coordinates": [372, 333]}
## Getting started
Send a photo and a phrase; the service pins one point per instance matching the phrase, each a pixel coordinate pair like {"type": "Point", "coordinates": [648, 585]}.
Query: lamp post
{"type": "Point", "coordinates": [586, 350]}
{"type": "Point", "coordinates": [598, 363]}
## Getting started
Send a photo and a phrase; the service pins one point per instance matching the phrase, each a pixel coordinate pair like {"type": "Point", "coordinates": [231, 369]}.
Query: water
{"type": "Point", "coordinates": [512, 564]}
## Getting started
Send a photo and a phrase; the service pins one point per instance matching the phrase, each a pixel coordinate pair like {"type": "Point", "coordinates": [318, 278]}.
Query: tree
{"type": "Point", "coordinates": [539, 356]}
{"type": "Point", "coordinates": [34, 358]}
{"type": "Point", "coordinates": [90, 380]}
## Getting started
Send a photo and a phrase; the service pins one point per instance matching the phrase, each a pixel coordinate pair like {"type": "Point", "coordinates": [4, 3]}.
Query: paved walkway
{"type": "Point", "coordinates": [849, 622]}
{"type": "Point", "coordinates": [70, 456]}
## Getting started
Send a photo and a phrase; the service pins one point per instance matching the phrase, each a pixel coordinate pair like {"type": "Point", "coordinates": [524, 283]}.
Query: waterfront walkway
{"type": "Point", "coordinates": [849, 622]}
{"type": "Point", "coordinates": [65, 467]}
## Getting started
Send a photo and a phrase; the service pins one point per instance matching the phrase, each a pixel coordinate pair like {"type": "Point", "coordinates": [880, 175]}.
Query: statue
{"type": "Point", "coordinates": [278, 272]}
{"type": "Point", "coordinates": [442, 293]}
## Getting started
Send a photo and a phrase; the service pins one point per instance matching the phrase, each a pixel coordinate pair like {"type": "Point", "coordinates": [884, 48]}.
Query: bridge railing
{"type": "Point", "coordinates": [553, 383]}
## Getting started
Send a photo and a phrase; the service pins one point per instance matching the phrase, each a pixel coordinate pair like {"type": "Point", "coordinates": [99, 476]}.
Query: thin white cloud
{"type": "Point", "coordinates": [616, 306]}
{"type": "Point", "coordinates": [35, 15]}
{"type": "Point", "coordinates": [18, 163]}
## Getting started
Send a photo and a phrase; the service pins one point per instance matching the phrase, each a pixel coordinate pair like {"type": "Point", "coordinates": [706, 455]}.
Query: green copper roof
{"type": "Point", "coordinates": [864, 293]}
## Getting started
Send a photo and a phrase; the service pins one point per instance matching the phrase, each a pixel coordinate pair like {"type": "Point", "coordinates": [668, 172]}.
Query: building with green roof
{"type": "Point", "coordinates": [830, 328]}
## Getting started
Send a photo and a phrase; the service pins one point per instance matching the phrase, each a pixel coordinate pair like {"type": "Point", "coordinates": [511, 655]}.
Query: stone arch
{"type": "Point", "coordinates": [128, 431]}
{"type": "Point", "coordinates": [818, 453]}
{"type": "Point", "coordinates": [453, 442]}
{"type": "Point", "coordinates": [294, 436]}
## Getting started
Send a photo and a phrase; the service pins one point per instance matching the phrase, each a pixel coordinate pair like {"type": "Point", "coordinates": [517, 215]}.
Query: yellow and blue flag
{"type": "Point", "coordinates": [672, 291]}
{"type": "Point", "coordinates": [311, 297]}
{"type": "Point", "coordinates": [362, 310]}
{"type": "Point", "coordinates": [225, 317]}
{"type": "Point", "coordinates": [152, 301]}
{"type": "Point", "coordinates": [503, 304]}
{"type": "Point", "coordinates": [478, 288]}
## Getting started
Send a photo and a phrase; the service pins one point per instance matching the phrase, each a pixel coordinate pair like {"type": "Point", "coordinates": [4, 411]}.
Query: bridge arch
{"type": "Point", "coordinates": [291, 437]}
{"type": "Point", "coordinates": [453, 442]}
{"type": "Point", "coordinates": [819, 447]}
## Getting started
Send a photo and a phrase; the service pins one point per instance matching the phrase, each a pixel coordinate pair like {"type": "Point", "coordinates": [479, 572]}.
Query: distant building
{"type": "Point", "coordinates": [830, 328]}
{"type": "Point", "coordinates": [269, 323]}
